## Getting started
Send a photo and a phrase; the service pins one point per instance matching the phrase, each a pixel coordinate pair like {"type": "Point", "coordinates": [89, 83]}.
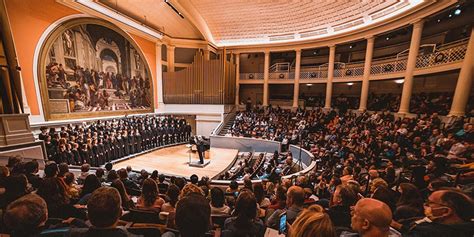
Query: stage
{"type": "Point", "coordinates": [174, 161]}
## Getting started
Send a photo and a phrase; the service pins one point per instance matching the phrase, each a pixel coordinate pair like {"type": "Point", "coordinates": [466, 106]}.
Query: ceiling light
{"type": "Point", "coordinates": [399, 81]}
{"type": "Point", "coordinates": [309, 84]}
{"type": "Point", "coordinates": [457, 12]}
{"type": "Point", "coordinates": [439, 20]}
{"type": "Point", "coordinates": [350, 83]}
{"type": "Point", "coordinates": [450, 15]}
{"type": "Point", "coordinates": [387, 38]}
{"type": "Point", "coordinates": [350, 46]}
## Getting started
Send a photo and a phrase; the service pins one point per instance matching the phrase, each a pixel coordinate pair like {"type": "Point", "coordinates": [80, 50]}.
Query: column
{"type": "Point", "coordinates": [332, 56]}
{"type": "Point", "coordinates": [411, 64]}
{"type": "Point", "coordinates": [159, 73]}
{"type": "Point", "coordinates": [364, 94]}
{"type": "Point", "coordinates": [170, 57]}
{"type": "Point", "coordinates": [296, 92]}
{"type": "Point", "coordinates": [266, 75]}
{"type": "Point", "coordinates": [463, 86]}
{"type": "Point", "coordinates": [207, 54]}
{"type": "Point", "coordinates": [237, 79]}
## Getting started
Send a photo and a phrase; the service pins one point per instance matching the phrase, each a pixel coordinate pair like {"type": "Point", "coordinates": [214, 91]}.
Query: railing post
{"type": "Point", "coordinates": [365, 79]}
{"type": "Point", "coordinates": [411, 64]}
{"type": "Point", "coordinates": [332, 56]}
{"type": "Point", "coordinates": [463, 85]}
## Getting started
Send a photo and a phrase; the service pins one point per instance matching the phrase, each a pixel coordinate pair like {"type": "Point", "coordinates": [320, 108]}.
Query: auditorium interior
{"type": "Point", "coordinates": [237, 118]}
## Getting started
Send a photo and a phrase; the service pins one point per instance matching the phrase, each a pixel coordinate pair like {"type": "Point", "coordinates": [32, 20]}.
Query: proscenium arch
{"type": "Point", "coordinates": [41, 69]}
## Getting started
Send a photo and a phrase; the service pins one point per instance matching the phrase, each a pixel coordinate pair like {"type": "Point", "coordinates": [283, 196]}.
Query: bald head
{"type": "Point", "coordinates": [371, 215]}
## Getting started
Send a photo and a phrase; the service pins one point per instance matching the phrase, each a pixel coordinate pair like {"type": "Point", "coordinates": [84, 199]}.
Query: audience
{"type": "Point", "coordinates": [407, 166]}
{"type": "Point", "coordinates": [313, 221]}
{"type": "Point", "coordinates": [244, 221]}
{"type": "Point", "coordinates": [103, 211]}
{"type": "Point", "coordinates": [149, 198]}
{"type": "Point", "coordinates": [371, 217]}
{"type": "Point", "coordinates": [26, 216]}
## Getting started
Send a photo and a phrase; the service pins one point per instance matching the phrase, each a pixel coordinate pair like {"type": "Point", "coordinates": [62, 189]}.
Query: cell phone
{"type": "Point", "coordinates": [282, 226]}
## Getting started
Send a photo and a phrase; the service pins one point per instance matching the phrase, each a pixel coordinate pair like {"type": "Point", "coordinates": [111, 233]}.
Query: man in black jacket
{"type": "Point", "coordinates": [104, 209]}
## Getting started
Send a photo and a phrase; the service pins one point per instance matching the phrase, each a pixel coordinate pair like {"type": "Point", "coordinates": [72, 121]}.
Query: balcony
{"type": "Point", "coordinates": [446, 57]}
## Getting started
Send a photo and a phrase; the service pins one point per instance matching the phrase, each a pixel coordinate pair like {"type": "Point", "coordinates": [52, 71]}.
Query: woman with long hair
{"type": "Point", "coordinates": [218, 206]}
{"type": "Point", "coordinates": [53, 191]}
{"type": "Point", "coordinates": [149, 198]}
{"type": "Point", "coordinates": [245, 222]}
{"type": "Point", "coordinates": [127, 202]}
{"type": "Point", "coordinates": [173, 197]}
{"type": "Point", "coordinates": [91, 183]}
{"type": "Point", "coordinates": [312, 221]}
{"type": "Point", "coordinates": [410, 203]}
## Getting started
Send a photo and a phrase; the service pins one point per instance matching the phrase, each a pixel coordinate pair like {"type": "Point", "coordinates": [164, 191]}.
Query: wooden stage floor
{"type": "Point", "coordinates": [174, 161]}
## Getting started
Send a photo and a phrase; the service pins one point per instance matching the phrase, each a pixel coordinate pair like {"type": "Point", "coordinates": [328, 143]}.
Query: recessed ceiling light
{"type": "Point", "coordinates": [387, 38]}
{"type": "Point", "coordinates": [439, 20]}
{"type": "Point", "coordinates": [400, 81]}
{"type": "Point", "coordinates": [457, 12]}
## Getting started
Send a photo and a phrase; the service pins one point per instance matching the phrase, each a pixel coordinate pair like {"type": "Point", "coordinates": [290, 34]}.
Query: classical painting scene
{"type": "Point", "coordinates": [91, 68]}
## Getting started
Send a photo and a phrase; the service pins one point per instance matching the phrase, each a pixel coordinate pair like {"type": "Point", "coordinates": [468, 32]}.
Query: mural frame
{"type": "Point", "coordinates": [41, 71]}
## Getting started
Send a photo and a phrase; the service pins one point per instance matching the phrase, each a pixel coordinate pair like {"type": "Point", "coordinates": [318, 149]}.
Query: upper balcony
{"type": "Point", "coordinates": [445, 57]}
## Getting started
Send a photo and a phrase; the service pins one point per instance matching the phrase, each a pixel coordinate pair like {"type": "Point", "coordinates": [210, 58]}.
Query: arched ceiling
{"type": "Point", "coordinates": [245, 22]}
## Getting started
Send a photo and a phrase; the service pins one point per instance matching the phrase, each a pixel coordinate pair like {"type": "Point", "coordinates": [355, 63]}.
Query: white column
{"type": "Point", "coordinates": [364, 94]}
{"type": "Point", "coordinates": [332, 56]}
{"type": "Point", "coordinates": [266, 75]}
{"type": "Point", "coordinates": [159, 73]}
{"type": "Point", "coordinates": [463, 86]}
{"type": "Point", "coordinates": [237, 79]}
{"type": "Point", "coordinates": [170, 57]}
{"type": "Point", "coordinates": [296, 91]}
{"type": "Point", "coordinates": [411, 64]}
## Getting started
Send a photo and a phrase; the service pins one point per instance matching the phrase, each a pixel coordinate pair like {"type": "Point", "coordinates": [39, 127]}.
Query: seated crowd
{"type": "Point", "coordinates": [99, 142]}
{"type": "Point", "coordinates": [420, 103]}
{"type": "Point", "coordinates": [376, 176]}
{"type": "Point", "coordinates": [119, 202]}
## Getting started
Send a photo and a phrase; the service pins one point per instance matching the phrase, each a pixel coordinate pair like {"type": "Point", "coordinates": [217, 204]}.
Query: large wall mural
{"type": "Point", "coordinates": [90, 68]}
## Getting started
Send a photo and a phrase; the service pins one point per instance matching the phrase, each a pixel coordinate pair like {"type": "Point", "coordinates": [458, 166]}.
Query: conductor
{"type": "Point", "coordinates": [202, 145]}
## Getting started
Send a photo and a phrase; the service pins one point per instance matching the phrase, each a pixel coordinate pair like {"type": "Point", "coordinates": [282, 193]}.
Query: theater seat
{"type": "Point", "coordinates": [142, 216]}
{"type": "Point", "coordinates": [218, 220]}
{"type": "Point", "coordinates": [145, 231]}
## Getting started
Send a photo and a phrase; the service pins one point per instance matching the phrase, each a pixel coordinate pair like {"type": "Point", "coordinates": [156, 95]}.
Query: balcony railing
{"type": "Point", "coordinates": [445, 54]}
{"type": "Point", "coordinates": [251, 76]}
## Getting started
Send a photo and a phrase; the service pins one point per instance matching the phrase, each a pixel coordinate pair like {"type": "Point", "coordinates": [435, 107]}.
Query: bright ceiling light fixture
{"type": "Point", "coordinates": [400, 81]}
